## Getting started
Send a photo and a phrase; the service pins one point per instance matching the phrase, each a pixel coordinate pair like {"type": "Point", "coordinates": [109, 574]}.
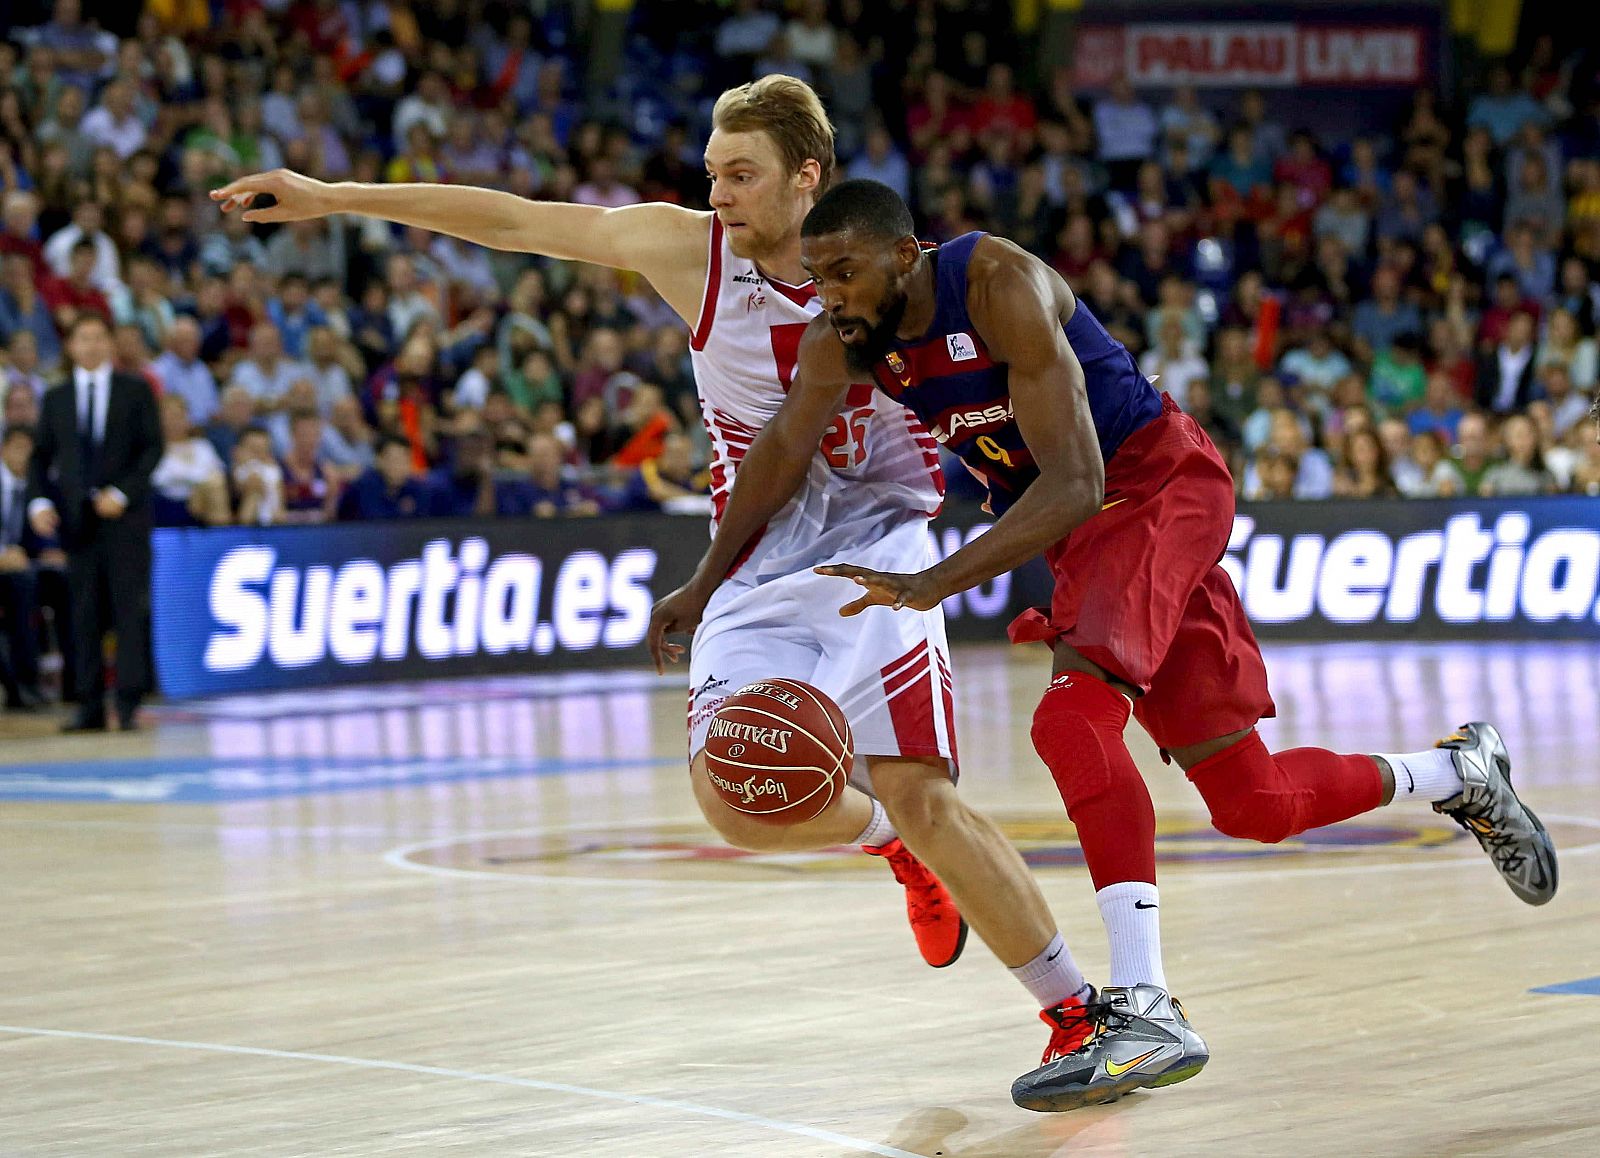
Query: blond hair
{"type": "Point", "coordinates": [789, 112]}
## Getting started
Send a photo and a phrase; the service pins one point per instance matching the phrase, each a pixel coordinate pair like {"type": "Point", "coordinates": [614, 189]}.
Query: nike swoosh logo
{"type": "Point", "coordinates": [1112, 503]}
{"type": "Point", "coordinates": [905, 383]}
{"type": "Point", "coordinates": [1144, 905]}
{"type": "Point", "coordinates": [1117, 1069]}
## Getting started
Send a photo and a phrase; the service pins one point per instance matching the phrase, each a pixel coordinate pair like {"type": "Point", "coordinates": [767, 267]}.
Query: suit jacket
{"type": "Point", "coordinates": [1487, 383]}
{"type": "Point", "coordinates": [128, 455]}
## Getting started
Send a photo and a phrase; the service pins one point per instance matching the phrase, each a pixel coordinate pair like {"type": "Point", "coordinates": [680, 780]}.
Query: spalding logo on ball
{"type": "Point", "coordinates": [779, 751]}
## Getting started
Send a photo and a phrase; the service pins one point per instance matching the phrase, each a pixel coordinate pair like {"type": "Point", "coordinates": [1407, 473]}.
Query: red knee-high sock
{"type": "Point", "coordinates": [1256, 795]}
{"type": "Point", "coordinates": [1077, 731]}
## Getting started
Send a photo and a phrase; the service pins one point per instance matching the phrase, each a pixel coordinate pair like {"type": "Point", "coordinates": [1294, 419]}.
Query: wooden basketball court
{"type": "Point", "coordinates": [483, 919]}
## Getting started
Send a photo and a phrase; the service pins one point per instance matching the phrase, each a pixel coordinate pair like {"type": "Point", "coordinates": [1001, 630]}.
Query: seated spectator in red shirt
{"type": "Point", "coordinates": [1304, 167]}
{"type": "Point", "coordinates": [76, 293]}
{"type": "Point", "coordinates": [937, 116]}
{"type": "Point", "coordinates": [19, 227]}
{"type": "Point", "coordinates": [643, 426]}
{"type": "Point", "coordinates": [1505, 304]}
{"type": "Point", "coordinates": [548, 489]}
{"type": "Point", "coordinates": [1001, 110]}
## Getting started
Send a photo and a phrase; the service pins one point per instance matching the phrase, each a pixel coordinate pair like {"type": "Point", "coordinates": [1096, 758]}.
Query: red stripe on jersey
{"type": "Point", "coordinates": [911, 708]}
{"type": "Point", "coordinates": [798, 294]}
{"type": "Point", "coordinates": [708, 307]}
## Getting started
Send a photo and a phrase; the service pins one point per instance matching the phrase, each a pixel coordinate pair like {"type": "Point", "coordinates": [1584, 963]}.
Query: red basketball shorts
{"type": "Point", "coordinates": [1139, 592]}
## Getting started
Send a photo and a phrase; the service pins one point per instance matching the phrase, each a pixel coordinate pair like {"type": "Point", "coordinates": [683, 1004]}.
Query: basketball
{"type": "Point", "coordinates": [778, 751]}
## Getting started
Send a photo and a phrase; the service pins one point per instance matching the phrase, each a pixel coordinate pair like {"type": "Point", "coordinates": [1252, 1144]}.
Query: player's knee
{"type": "Point", "coordinates": [1264, 816]}
{"type": "Point", "coordinates": [1073, 723]}
{"type": "Point", "coordinates": [919, 810]}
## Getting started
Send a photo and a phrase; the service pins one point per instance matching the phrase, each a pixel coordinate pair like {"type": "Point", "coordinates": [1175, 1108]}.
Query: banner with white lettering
{"type": "Point", "coordinates": [241, 608]}
{"type": "Point", "coordinates": [1251, 54]}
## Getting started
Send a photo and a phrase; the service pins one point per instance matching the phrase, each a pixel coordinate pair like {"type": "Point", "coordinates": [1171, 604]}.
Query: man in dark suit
{"type": "Point", "coordinates": [1506, 381]}
{"type": "Point", "coordinates": [99, 440]}
{"type": "Point", "coordinates": [19, 589]}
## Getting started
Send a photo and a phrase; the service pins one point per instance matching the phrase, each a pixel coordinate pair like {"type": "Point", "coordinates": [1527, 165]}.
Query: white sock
{"type": "Point", "coordinates": [1052, 976]}
{"type": "Point", "coordinates": [1132, 915]}
{"type": "Point", "coordinates": [879, 831]}
{"type": "Point", "coordinates": [1427, 776]}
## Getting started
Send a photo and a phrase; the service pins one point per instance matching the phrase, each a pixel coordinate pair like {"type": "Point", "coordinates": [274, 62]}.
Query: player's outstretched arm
{"type": "Point", "coordinates": [1016, 303]}
{"type": "Point", "coordinates": [666, 243]}
{"type": "Point", "coordinates": [772, 471]}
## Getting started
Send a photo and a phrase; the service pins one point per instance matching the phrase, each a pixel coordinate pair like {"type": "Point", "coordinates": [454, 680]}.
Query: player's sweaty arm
{"type": "Point", "coordinates": [778, 459]}
{"type": "Point", "coordinates": [1017, 305]}
{"type": "Point", "coordinates": [772, 471]}
{"type": "Point", "coordinates": [666, 243]}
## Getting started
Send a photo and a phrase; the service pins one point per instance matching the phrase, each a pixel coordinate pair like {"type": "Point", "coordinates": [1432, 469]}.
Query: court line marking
{"type": "Point", "coordinates": [400, 858]}
{"type": "Point", "coordinates": [647, 1100]}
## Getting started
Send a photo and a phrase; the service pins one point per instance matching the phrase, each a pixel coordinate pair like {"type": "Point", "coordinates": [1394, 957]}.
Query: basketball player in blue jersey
{"type": "Point", "coordinates": [1132, 506]}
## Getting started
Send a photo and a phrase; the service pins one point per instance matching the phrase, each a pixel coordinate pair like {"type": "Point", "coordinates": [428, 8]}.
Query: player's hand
{"type": "Point", "coordinates": [884, 589]}
{"type": "Point", "coordinates": [298, 197]}
{"type": "Point", "coordinates": [676, 614]}
{"type": "Point", "coordinates": [108, 506]}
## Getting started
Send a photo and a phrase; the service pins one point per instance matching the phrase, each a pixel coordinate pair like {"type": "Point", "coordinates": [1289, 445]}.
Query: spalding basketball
{"type": "Point", "coordinates": [778, 751]}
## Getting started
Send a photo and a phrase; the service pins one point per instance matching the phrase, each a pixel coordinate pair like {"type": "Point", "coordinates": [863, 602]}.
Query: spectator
{"type": "Point", "coordinates": [1382, 318]}
{"type": "Point", "coordinates": [1506, 378]}
{"type": "Point", "coordinates": [105, 266]}
{"type": "Point", "coordinates": [388, 489]}
{"type": "Point", "coordinates": [1565, 345]}
{"type": "Point", "coordinates": [1174, 363]}
{"type": "Point", "coordinates": [813, 40]}
{"type": "Point", "coordinates": [24, 371]}
{"type": "Point", "coordinates": [1522, 472]}
{"type": "Point", "coordinates": [881, 161]}
{"type": "Point", "coordinates": [1127, 132]}
{"type": "Point", "coordinates": [1440, 411]}
{"type": "Point", "coordinates": [23, 310]}
{"type": "Point", "coordinates": [114, 122]}
{"type": "Point", "coordinates": [1398, 380]}
{"type": "Point", "coordinates": [465, 485]}
{"type": "Point", "coordinates": [1316, 367]}
{"type": "Point", "coordinates": [1504, 108]}
{"type": "Point", "coordinates": [1271, 476]}
{"type": "Point", "coordinates": [347, 441]}
{"type": "Point", "coordinates": [1291, 438]}
{"type": "Point", "coordinates": [310, 485]}
{"type": "Point", "coordinates": [77, 294]}
{"type": "Point", "coordinates": [266, 374]}
{"type": "Point", "coordinates": [19, 585]}
{"type": "Point", "coordinates": [1343, 216]}
{"type": "Point", "coordinates": [1189, 126]}
{"type": "Point", "coordinates": [547, 489]}
{"type": "Point", "coordinates": [1521, 258]}
{"type": "Point", "coordinates": [189, 486]}
{"type": "Point", "coordinates": [666, 481]}
{"type": "Point", "coordinates": [1435, 475]}
{"type": "Point", "coordinates": [1567, 408]}
{"type": "Point", "coordinates": [1366, 471]}
{"type": "Point", "coordinates": [182, 372]}
{"type": "Point", "coordinates": [745, 36]}
{"type": "Point", "coordinates": [1472, 459]}
{"type": "Point", "coordinates": [255, 479]}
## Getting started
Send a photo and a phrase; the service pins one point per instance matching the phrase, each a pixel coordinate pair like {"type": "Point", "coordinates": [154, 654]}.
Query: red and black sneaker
{"type": "Point", "coordinates": [1071, 1025]}
{"type": "Point", "coordinates": [940, 930]}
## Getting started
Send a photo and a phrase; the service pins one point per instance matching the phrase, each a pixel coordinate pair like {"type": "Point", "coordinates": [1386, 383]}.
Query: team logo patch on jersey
{"type": "Point", "coordinates": [896, 363]}
{"type": "Point", "coordinates": [961, 347]}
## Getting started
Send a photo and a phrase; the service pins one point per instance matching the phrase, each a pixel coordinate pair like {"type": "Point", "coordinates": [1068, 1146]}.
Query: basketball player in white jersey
{"type": "Point", "coordinates": [734, 275]}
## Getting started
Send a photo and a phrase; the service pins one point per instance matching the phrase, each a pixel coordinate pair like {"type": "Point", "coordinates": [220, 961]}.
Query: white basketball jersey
{"type": "Point", "coordinates": [877, 465]}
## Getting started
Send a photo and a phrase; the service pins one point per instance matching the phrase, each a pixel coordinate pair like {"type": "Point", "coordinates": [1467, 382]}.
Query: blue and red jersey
{"type": "Point", "coordinates": [950, 381]}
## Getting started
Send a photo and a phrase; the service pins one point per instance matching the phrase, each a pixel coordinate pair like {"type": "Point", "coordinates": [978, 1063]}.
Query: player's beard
{"type": "Point", "coordinates": [862, 356]}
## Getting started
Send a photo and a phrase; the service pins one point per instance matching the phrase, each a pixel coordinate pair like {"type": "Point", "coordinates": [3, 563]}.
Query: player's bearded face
{"type": "Point", "coordinates": [866, 342]}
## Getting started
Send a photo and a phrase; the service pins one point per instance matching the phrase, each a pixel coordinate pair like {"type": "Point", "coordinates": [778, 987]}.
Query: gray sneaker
{"type": "Point", "coordinates": [1141, 1039]}
{"type": "Point", "coordinates": [1487, 806]}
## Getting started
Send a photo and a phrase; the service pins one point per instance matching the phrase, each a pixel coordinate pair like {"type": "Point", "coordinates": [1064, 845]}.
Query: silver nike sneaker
{"type": "Point", "coordinates": [1141, 1040]}
{"type": "Point", "coordinates": [1487, 806]}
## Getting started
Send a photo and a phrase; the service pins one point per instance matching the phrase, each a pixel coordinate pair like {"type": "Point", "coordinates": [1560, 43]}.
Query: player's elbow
{"type": "Point", "coordinates": [1074, 499]}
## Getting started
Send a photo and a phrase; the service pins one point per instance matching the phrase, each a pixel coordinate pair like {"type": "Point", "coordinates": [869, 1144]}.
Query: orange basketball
{"type": "Point", "coordinates": [778, 751]}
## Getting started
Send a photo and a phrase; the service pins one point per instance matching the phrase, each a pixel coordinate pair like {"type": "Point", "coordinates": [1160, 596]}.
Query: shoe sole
{"type": "Point", "coordinates": [961, 943]}
{"type": "Point", "coordinates": [1104, 1093]}
{"type": "Point", "coordinates": [1500, 761]}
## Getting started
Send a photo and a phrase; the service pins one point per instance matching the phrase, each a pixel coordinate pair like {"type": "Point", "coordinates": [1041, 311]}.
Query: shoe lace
{"type": "Point", "coordinates": [1072, 1026]}
{"type": "Point", "coordinates": [924, 894]}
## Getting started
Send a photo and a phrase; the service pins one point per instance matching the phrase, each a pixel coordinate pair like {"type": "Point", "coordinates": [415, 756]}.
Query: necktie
{"type": "Point", "coordinates": [88, 447]}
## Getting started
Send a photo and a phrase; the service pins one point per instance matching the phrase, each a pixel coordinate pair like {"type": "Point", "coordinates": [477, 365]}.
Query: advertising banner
{"type": "Point", "coordinates": [245, 608]}
{"type": "Point", "coordinates": [1251, 54]}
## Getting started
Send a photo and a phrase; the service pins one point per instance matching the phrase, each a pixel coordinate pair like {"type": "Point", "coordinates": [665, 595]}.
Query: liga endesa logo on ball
{"type": "Point", "coordinates": [778, 751]}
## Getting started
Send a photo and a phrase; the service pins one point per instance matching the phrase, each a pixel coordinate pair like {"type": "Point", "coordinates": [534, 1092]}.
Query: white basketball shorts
{"type": "Point", "coordinates": [889, 671]}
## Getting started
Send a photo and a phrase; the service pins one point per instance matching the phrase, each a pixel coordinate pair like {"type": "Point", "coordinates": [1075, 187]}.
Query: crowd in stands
{"type": "Point", "coordinates": [1410, 311]}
